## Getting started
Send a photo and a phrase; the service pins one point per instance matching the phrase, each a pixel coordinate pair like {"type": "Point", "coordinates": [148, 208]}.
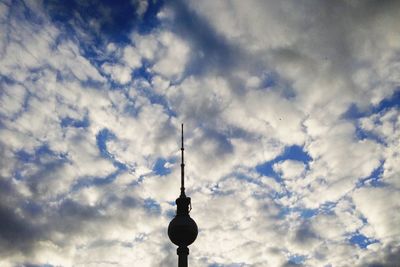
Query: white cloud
{"type": "Point", "coordinates": [12, 100]}
{"type": "Point", "coordinates": [142, 6]}
{"type": "Point", "coordinates": [381, 212]}
{"type": "Point", "coordinates": [386, 126]}
{"type": "Point", "coordinates": [131, 57]}
{"type": "Point", "coordinates": [147, 45]}
{"type": "Point", "coordinates": [247, 80]}
{"type": "Point", "coordinates": [290, 169]}
{"type": "Point", "coordinates": [173, 59]}
{"type": "Point", "coordinates": [118, 72]}
{"type": "Point", "coordinates": [332, 174]}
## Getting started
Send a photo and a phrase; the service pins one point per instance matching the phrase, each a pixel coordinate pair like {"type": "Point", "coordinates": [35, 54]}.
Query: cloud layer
{"type": "Point", "coordinates": [292, 123]}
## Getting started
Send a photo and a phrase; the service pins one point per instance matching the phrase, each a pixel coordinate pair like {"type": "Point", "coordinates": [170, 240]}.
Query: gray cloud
{"type": "Point", "coordinates": [16, 233]}
{"type": "Point", "coordinates": [213, 50]}
{"type": "Point", "coordinates": [390, 257]}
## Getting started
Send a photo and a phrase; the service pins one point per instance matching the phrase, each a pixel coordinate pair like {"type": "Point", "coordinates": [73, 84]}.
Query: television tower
{"type": "Point", "coordinates": [182, 230]}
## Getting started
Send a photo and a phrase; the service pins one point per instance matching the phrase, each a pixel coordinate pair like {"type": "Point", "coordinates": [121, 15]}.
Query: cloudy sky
{"type": "Point", "coordinates": [292, 123]}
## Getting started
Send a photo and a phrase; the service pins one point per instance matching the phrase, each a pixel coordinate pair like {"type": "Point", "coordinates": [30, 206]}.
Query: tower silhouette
{"type": "Point", "coordinates": [182, 230]}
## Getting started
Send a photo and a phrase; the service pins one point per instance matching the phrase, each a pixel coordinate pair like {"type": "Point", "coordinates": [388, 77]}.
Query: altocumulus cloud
{"type": "Point", "coordinates": [291, 110]}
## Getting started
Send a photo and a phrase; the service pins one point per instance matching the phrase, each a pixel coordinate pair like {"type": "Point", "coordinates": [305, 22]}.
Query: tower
{"type": "Point", "coordinates": [182, 230]}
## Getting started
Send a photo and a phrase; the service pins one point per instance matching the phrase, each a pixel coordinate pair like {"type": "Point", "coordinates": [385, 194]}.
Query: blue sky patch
{"type": "Point", "coordinates": [102, 137]}
{"type": "Point", "coordinates": [38, 153]}
{"type": "Point", "coordinates": [294, 152]}
{"type": "Point", "coordinates": [361, 240]}
{"type": "Point", "coordinates": [392, 101]}
{"type": "Point", "coordinates": [152, 206]}
{"type": "Point", "coordinates": [111, 18]}
{"type": "Point", "coordinates": [297, 259]}
{"type": "Point", "coordinates": [159, 167]}
{"type": "Point", "coordinates": [70, 122]}
{"type": "Point", "coordinates": [362, 134]}
{"type": "Point", "coordinates": [374, 179]}
{"type": "Point", "coordinates": [269, 79]}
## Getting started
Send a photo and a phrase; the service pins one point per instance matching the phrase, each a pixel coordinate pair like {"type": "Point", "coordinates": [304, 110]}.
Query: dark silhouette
{"type": "Point", "coordinates": [182, 230]}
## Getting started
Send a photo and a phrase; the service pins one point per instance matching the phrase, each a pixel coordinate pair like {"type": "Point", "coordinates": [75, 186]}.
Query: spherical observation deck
{"type": "Point", "coordinates": [182, 230]}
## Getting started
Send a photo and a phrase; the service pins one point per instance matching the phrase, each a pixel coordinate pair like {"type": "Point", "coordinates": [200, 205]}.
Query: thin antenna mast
{"type": "Point", "coordinates": [182, 168]}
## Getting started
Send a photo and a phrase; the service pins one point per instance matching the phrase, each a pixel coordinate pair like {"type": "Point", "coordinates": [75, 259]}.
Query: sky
{"type": "Point", "coordinates": [291, 112]}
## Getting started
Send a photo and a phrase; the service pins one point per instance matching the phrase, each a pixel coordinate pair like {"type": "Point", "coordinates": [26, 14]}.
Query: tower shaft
{"type": "Point", "coordinates": [183, 253]}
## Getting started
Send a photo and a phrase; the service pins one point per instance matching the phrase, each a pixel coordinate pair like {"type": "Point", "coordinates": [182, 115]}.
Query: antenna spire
{"type": "Point", "coordinates": [182, 168]}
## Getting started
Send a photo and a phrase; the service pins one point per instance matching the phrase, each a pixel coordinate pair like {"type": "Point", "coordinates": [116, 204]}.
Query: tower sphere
{"type": "Point", "coordinates": [182, 230]}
